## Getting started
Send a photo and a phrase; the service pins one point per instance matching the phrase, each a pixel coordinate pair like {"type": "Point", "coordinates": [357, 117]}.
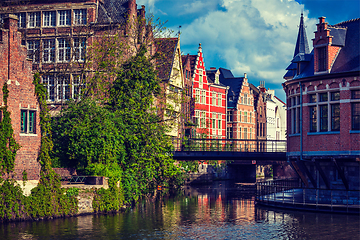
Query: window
{"type": "Point", "coordinates": [202, 119]}
{"type": "Point", "coordinates": [355, 116]}
{"type": "Point", "coordinates": [80, 16]}
{"type": "Point", "coordinates": [239, 116]}
{"type": "Point", "coordinates": [63, 50]}
{"type": "Point", "coordinates": [219, 121]}
{"type": "Point", "coordinates": [245, 117]}
{"type": "Point", "coordinates": [49, 19]}
{"type": "Point", "coordinates": [250, 117]}
{"type": "Point", "coordinates": [22, 20]}
{"type": "Point", "coordinates": [245, 99]}
{"type": "Point", "coordinates": [229, 116]}
{"type": "Point", "coordinates": [335, 117]}
{"type": "Point", "coordinates": [213, 99]}
{"type": "Point", "coordinates": [335, 96]}
{"type": "Point", "coordinates": [312, 98]}
{"type": "Point", "coordinates": [313, 119]}
{"type": "Point", "coordinates": [49, 83]}
{"type": "Point", "coordinates": [63, 87]}
{"type": "Point", "coordinates": [203, 97]}
{"type": "Point", "coordinates": [323, 118]}
{"type": "Point", "coordinates": [229, 133]}
{"type": "Point", "coordinates": [197, 117]}
{"type": "Point", "coordinates": [1, 20]}
{"type": "Point", "coordinates": [219, 96]}
{"type": "Point", "coordinates": [355, 110]}
{"type": "Point", "coordinates": [200, 78]}
{"type": "Point", "coordinates": [355, 94]}
{"type": "Point", "coordinates": [323, 97]}
{"type": "Point", "coordinates": [49, 50]}
{"type": "Point", "coordinates": [64, 18]}
{"type": "Point", "coordinates": [33, 48]}
{"type": "Point", "coordinates": [197, 95]}
{"type": "Point", "coordinates": [28, 120]}
{"type": "Point", "coordinates": [245, 133]}
{"type": "Point", "coordinates": [321, 59]}
{"type": "Point", "coordinates": [34, 19]}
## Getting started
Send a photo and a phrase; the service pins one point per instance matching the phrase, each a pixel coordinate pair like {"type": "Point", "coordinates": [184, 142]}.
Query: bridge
{"type": "Point", "coordinates": [244, 151]}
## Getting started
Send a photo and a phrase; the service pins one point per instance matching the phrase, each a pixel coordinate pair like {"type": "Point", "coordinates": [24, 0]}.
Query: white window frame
{"type": "Point", "coordinates": [80, 50]}
{"type": "Point", "coordinates": [80, 16]}
{"type": "Point", "coordinates": [34, 19]}
{"type": "Point", "coordinates": [33, 50]}
{"type": "Point", "coordinates": [64, 50]}
{"type": "Point", "coordinates": [49, 19]}
{"type": "Point", "coordinates": [64, 17]}
{"type": "Point", "coordinates": [48, 50]}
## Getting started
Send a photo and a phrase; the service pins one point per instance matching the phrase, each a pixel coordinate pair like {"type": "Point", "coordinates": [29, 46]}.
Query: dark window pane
{"type": "Point", "coordinates": [323, 97]}
{"type": "Point", "coordinates": [355, 116]}
{"type": "Point", "coordinates": [312, 98]}
{"type": "Point", "coordinates": [335, 117]}
{"type": "Point", "coordinates": [335, 96]}
{"type": "Point", "coordinates": [355, 94]}
{"type": "Point", "coordinates": [23, 116]}
{"type": "Point", "coordinates": [323, 118]}
{"type": "Point", "coordinates": [313, 120]}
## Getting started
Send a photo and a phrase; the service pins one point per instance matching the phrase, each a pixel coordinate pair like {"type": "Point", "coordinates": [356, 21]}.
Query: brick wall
{"type": "Point", "coordinates": [342, 140]}
{"type": "Point", "coordinates": [15, 69]}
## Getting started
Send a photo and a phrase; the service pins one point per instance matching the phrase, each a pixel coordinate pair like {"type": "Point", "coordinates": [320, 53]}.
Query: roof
{"type": "Point", "coordinates": [302, 45]}
{"type": "Point", "coordinates": [345, 35]}
{"type": "Point", "coordinates": [349, 55]}
{"type": "Point", "coordinates": [211, 77]}
{"type": "Point", "coordinates": [166, 48]}
{"type": "Point", "coordinates": [113, 11]}
{"type": "Point", "coordinates": [227, 78]}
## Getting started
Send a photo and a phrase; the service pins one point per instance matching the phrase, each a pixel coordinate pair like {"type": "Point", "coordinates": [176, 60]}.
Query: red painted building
{"type": "Point", "coordinates": [15, 71]}
{"type": "Point", "coordinates": [323, 106]}
{"type": "Point", "coordinates": [209, 111]}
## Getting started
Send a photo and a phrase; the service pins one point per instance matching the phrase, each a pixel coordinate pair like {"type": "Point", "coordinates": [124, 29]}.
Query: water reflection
{"type": "Point", "coordinates": [221, 211]}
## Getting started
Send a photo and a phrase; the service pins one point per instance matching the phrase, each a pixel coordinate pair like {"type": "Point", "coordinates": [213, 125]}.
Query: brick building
{"type": "Point", "coordinates": [323, 106]}
{"type": "Point", "coordinates": [241, 119]}
{"type": "Point", "coordinates": [209, 108]}
{"type": "Point", "coordinates": [15, 71]}
{"type": "Point", "coordinates": [59, 35]}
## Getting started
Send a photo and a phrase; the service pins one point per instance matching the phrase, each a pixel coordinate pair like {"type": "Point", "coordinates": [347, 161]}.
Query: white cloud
{"type": "Point", "coordinates": [253, 36]}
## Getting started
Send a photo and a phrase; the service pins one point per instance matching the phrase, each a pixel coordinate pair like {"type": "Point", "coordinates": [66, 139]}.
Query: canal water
{"type": "Point", "coordinates": [222, 210]}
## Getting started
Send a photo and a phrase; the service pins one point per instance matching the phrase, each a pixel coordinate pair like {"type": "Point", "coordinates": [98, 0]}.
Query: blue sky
{"type": "Point", "coordinates": [256, 37]}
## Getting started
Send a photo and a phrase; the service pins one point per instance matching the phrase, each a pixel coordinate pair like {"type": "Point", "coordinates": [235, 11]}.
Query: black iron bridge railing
{"type": "Point", "coordinates": [229, 145]}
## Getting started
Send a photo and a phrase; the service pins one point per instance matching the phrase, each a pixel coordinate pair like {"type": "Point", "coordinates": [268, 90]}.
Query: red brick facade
{"type": "Point", "coordinates": [15, 70]}
{"type": "Point", "coordinates": [323, 108]}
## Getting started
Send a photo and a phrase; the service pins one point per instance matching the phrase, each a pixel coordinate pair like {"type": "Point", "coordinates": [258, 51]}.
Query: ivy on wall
{"type": "Point", "coordinates": [48, 199]}
{"type": "Point", "coordinates": [8, 145]}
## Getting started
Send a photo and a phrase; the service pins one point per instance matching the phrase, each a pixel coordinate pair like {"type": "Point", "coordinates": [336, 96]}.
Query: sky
{"type": "Point", "coordinates": [256, 37]}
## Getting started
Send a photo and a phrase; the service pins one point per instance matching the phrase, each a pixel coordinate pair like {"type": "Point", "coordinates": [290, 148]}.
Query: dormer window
{"type": "Point", "coordinates": [321, 59]}
{"type": "Point", "coordinates": [298, 69]}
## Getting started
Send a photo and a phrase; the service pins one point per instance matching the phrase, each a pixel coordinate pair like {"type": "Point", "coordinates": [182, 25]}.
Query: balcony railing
{"type": "Point", "coordinates": [232, 145]}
